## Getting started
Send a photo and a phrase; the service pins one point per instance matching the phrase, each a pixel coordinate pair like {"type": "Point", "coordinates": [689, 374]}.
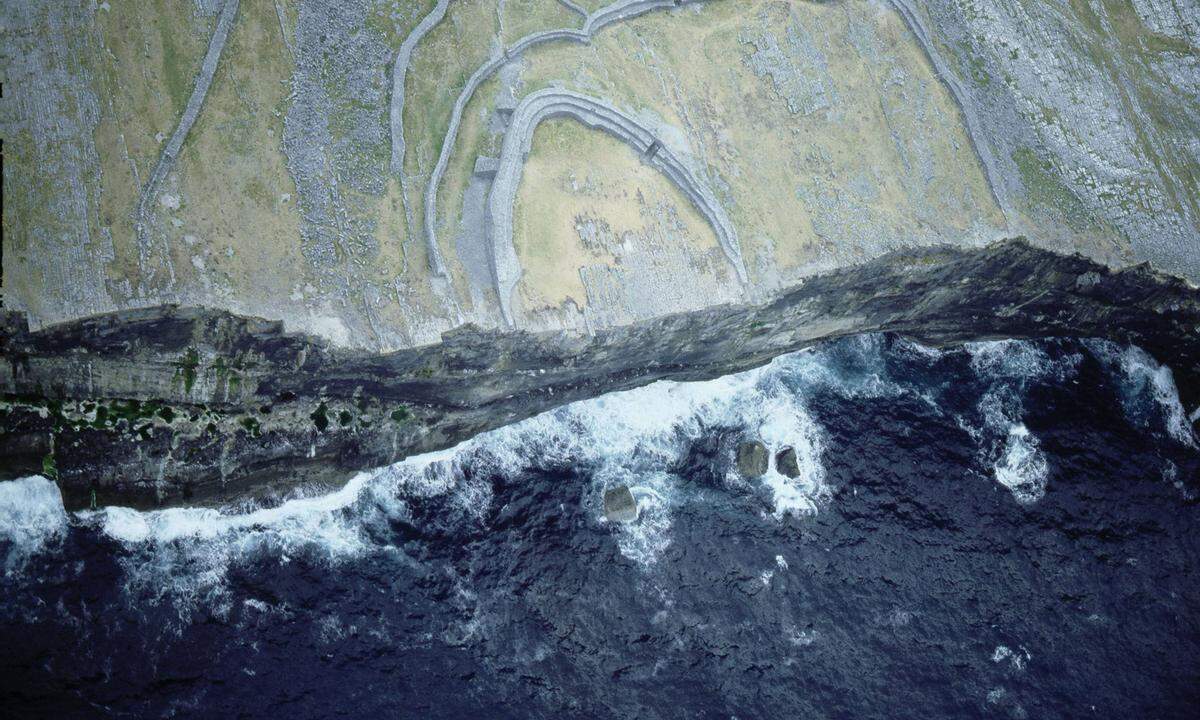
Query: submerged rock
{"type": "Point", "coordinates": [619, 505]}
{"type": "Point", "coordinates": [752, 459]}
{"type": "Point", "coordinates": [786, 463]}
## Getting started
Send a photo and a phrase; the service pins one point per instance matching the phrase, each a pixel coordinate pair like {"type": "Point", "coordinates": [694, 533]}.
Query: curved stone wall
{"type": "Point", "coordinates": [399, 76]}
{"type": "Point", "coordinates": [601, 115]}
{"type": "Point", "coordinates": [602, 18]}
{"type": "Point", "coordinates": [166, 161]}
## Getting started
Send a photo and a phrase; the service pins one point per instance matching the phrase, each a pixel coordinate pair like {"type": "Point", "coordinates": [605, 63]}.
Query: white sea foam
{"type": "Point", "coordinates": [854, 367]}
{"type": "Point", "coordinates": [645, 540]}
{"type": "Point", "coordinates": [916, 349]}
{"type": "Point", "coordinates": [1147, 388]}
{"type": "Point", "coordinates": [1022, 467]}
{"type": "Point", "coordinates": [632, 438]}
{"type": "Point", "coordinates": [1017, 659]}
{"type": "Point", "coordinates": [31, 517]}
{"type": "Point", "coordinates": [782, 425]}
{"type": "Point", "coordinates": [1019, 360]}
{"type": "Point", "coordinates": [1008, 359]}
{"type": "Point", "coordinates": [1013, 452]}
{"type": "Point", "coordinates": [184, 554]}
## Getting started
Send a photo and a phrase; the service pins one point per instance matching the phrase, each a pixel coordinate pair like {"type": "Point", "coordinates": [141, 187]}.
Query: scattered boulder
{"type": "Point", "coordinates": [752, 459]}
{"type": "Point", "coordinates": [619, 505]}
{"type": "Point", "coordinates": [787, 463]}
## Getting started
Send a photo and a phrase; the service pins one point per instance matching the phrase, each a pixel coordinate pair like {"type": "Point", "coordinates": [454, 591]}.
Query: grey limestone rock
{"type": "Point", "coordinates": [620, 505]}
{"type": "Point", "coordinates": [786, 463]}
{"type": "Point", "coordinates": [602, 18]}
{"type": "Point", "coordinates": [205, 406]}
{"type": "Point", "coordinates": [752, 459]}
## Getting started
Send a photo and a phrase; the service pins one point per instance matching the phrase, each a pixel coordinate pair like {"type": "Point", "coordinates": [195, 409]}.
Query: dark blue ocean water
{"type": "Point", "coordinates": [1007, 530]}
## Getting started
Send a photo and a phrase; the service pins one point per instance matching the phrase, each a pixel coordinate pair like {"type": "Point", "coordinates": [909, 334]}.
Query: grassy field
{"type": "Point", "coordinates": [911, 173]}
{"type": "Point", "coordinates": [522, 17]}
{"type": "Point", "coordinates": [821, 128]}
{"type": "Point", "coordinates": [239, 227]}
{"type": "Point", "coordinates": [576, 174]}
{"type": "Point", "coordinates": [143, 75]}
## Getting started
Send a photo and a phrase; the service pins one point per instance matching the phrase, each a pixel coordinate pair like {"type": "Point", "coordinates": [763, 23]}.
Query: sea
{"type": "Point", "coordinates": [1006, 529]}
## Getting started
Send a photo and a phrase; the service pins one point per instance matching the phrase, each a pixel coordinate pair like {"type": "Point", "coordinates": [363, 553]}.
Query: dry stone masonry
{"type": "Point", "coordinates": [258, 157]}
{"type": "Point", "coordinates": [601, 115]}
{"type": "Point", "coordinates": [170, 153]}
{"type": "Point", "coordinates": [399, 77]}
{"type": "Point", "coordinates": [597, 21]}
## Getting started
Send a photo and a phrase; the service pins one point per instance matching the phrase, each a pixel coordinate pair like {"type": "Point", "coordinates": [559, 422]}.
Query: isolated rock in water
{"type": "Point", "coordinates": [752, 459]}
{"type": "Point", "coordinates": [619, 505]}
{"type": "Point", "coordinates": [787, 464]}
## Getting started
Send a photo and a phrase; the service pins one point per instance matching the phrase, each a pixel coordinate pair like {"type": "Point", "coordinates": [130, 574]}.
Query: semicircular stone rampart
{"type": "Point", "coordinates": [602, 18]}
{"type": "Point", "coordinates": [601, 115]}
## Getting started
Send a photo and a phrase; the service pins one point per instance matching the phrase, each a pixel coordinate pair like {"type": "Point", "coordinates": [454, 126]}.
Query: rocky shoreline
{"type": "Point", "coordinates": [170, 405]}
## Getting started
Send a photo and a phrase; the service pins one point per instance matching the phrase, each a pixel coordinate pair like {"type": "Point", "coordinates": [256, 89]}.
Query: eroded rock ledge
{"type": "Point", "coordinates": [182, 405]}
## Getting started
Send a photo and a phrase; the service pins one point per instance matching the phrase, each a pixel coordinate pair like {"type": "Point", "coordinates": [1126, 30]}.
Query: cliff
{"type": "Point", "coordinates": [171, 405]}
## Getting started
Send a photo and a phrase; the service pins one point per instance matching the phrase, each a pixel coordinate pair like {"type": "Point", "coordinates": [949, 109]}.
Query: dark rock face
{"type": "Point", "coordinates": [173, 405]}
{"type": "Point", "coordinates": [787, 464]}
{"type": "Point", "coordinates": [752, 459]}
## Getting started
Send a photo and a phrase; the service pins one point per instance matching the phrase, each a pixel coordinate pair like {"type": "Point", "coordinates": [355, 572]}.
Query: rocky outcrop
{"type": "Point", "coordinates": [63, 272]}
{"type": "Point", "coordinates": [176, 405]}
{"type": "Point", "coordinates": [969, 115]}
{"type": "Point", "coordinates": [1084, 115]}
{"type": "Point", "coordinates": [601, 115]}
{"type": "Point", "coordinates": [753, 459]}
{"type": "Point", "coordinates": [620, 505]}
{"type": "Point", "coordinates": [786, 463]}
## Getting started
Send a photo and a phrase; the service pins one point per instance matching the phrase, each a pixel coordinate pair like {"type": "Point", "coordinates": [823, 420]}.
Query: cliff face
{"type": "Point", "coordinates": [333, 164]}
{"type": "Point", "coordinates": [171, 405]}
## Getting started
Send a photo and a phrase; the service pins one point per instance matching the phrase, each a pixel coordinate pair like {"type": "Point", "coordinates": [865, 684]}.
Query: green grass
{"type": "Point", "coordinates": [178, 72]}
{"type": "Point", "coordinates": [1045, 187]}
{"type": "Point", "coordinates": [186, 368]}
{"type": "Point", "coordinates": [320, 417]}
{"type": "Point", "coordinates": [50, 467]}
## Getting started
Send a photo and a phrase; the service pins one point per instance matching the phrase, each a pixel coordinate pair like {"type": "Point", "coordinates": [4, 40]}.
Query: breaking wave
{"type": "Point", "coordinates": [486, 581]}
{"type": "Point", "coordinates": [1147, 389]}
{"type": "Point", "coordinates": [1010, 367]}
{"type": "Point", "coordinates": [1022, 467]}
{"type": "Point", "coordinates": [31, 518]}
{"type": "Point", "coordinates": [634, 438]}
